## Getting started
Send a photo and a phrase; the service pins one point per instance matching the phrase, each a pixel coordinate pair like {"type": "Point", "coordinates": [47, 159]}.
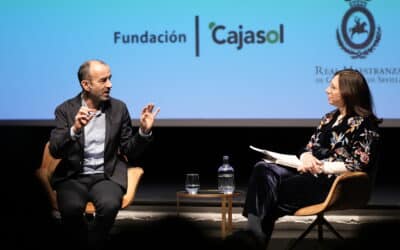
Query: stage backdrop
{"type": "Point", "coordinates": [204, 60]}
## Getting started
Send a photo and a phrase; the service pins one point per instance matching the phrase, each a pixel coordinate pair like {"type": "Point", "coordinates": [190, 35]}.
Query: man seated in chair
{"type": "Point", "coordinates": [92, 132]}
{"type": "Point", "coordinates": [345, 140]}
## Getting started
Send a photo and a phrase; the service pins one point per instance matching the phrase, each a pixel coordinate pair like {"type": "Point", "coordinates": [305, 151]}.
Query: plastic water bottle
{"type": "Point", "coordinates": [226, 177]}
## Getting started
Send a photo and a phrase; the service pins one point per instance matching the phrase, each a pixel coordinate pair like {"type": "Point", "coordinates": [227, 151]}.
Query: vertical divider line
{"type": "Point", "coordinates": [197, 36]}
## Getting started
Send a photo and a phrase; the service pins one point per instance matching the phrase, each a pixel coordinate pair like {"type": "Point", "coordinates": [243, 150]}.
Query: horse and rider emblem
{"type": "Point", "coordinates": [358, 34]}
{"type": "Point", "coordinates": [358, 27]}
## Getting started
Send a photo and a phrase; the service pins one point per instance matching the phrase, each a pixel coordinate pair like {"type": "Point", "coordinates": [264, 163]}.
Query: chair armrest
{"type": "Point", "coordinates": [134, 176]}
{"type": "Point", "coordinates": [45, 172]}
{"type": "Point", "coordinates": [44, 178]}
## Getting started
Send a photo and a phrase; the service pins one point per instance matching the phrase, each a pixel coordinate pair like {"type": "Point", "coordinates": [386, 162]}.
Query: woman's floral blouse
{"type": "Point", "coordinates": [349, 139]}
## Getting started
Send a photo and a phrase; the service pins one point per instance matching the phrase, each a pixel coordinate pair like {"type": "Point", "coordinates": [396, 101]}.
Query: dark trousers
{"type": "Point", "coordinates": [275, 191]}
{"type": "Point", "coordinates": [72, 196]}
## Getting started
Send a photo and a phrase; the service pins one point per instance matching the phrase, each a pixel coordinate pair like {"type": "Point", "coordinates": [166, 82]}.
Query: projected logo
{"type": "Point", "coordinates": [239, 36]}
{"type": "Point", "coordinates": [358, 35]}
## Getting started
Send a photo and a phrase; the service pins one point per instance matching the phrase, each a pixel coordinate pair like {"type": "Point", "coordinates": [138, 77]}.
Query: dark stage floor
{"type": "Point", "coordinates": [353, 225]}
{"type": "Point", "coordinates": [153, 203]}
{"type": "Point", "coordinates": [29, 227]}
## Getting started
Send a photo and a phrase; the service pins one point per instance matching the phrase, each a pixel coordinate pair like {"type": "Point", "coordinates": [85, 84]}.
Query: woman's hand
{"type": "Point", "coordinates": [310, 164]}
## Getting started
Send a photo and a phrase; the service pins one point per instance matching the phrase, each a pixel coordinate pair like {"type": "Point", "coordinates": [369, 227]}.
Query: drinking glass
{"type": "Point", "coordinates": [192, 183]}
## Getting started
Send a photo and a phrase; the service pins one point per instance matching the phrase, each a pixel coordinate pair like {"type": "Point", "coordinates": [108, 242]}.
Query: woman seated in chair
{"type": "Point", "coordinates": [345, 140]}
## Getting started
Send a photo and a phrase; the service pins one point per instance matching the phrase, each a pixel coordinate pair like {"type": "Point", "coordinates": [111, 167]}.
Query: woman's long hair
{"type": "Point", "coordinates": [356, 94]}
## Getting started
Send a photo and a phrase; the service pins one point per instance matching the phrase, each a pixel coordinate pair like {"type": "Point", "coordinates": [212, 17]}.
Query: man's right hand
{"type": "Point", "coordinates": [82, 118]}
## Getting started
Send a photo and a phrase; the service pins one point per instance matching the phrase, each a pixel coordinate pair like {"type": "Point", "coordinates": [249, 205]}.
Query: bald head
{"type": "Point", "coordinates": [84, 69]}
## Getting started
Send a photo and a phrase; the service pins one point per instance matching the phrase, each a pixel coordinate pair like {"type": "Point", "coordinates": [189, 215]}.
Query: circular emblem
{"type": "Point", "coordinates": [358, 34]}
{"type": "Point", "coordinates": [353, 25]}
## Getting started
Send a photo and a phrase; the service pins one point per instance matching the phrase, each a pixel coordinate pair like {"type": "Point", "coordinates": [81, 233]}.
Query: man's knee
{"type": "Point", "coordinates": [71, 209]}
{"type": "Point", "coordinates": [109, 206]}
